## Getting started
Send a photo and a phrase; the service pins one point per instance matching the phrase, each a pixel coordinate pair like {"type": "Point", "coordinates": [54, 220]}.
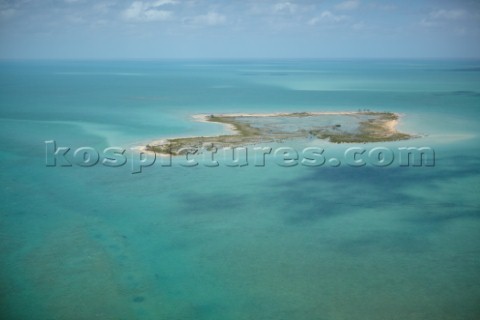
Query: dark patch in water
{"type": "Point", "coordinates": [471, 69]}
{"type": "Point", "coordinates": [204, 203]}
{"type": "Point", "coordinates": [437, 217]}
{"type": "Point", "coordinates": [408, 242]}
{"type": "Point", "coordinates": [138, 299]}
{"type": "Point", "coordinates": [305, 199]}
{"type": "Point", "coordinates": [114, 247]}
{"type": "Point", "coordinates": [459, 93]}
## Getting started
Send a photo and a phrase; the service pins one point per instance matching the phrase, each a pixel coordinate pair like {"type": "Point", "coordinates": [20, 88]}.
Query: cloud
{"type": "Point", "coordinates": [284, 7]}
{"type": "Point", "coordinates": [148, 11]}
{"type": "Point", "coordinates": [327, 17]}
{"type": "Point", "coordinates": [159, 3]}
{"type": "Point", "coordinates": [428, 23]}
{"type": "Point", "coordinates": [358, 26]}
{"type": "Point", "coordinates": [447, 14]}
{"type": "Point", "coordinates": [72, 18]}
{"type": "Point", "coordinates": [439, 17]}
{"type": "Point", "coordinates": [102, 7]}
{"type": "Point", "coordinates": [7, 13]}
{"type": "Point", "coordinates": [209, 19]}
{"type": "Point", "coordinates": [384, 7]}
{"type": "Point", "coordinates": [348, 5]}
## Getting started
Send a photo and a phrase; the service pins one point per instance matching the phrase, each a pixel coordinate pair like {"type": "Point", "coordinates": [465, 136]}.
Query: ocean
{"type": "Point", "coordinates": [250, 242]}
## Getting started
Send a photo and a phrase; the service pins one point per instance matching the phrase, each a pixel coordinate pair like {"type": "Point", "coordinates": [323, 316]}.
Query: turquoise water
{"type": "Point", "coordinates": [236, 242]}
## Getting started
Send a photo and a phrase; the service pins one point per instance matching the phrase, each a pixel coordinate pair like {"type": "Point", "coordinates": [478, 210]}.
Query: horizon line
{"type": "Point", "coordinates": [231, 58]}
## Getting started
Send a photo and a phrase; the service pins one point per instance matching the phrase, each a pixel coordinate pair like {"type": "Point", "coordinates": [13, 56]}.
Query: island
{"type": "Point", "coordinates": [247, 129]}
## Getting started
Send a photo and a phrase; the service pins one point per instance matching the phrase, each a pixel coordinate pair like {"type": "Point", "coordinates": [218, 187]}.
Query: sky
{"type": "Point", "coordinates": [199, 29]}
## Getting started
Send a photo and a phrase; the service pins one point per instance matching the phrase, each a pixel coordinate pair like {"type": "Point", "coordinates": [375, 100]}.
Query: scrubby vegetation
{"type": "Point", "coordinates": [379, 127]}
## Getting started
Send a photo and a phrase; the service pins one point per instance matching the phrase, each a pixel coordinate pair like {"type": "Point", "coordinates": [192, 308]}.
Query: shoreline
{"type": "Point", "coordinates": [379, 126]}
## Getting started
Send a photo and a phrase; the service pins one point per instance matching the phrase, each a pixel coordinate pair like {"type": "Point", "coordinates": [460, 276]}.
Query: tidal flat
{"type": "Point", "coordinates": [249, 129]}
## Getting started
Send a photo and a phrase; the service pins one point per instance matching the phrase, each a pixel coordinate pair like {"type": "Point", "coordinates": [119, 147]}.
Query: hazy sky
{"type": "Point", "coordinates": [239, 29]}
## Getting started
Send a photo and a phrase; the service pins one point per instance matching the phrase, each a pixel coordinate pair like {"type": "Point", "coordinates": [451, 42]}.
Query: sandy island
{"type": "Point", "coordinates": [371, 127]}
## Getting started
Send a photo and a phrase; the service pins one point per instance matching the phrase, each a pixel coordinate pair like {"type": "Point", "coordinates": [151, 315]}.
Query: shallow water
{"type": "Point", "coordinates": [247, 242]}
{"type": "Point", "coordinates": [291, 124]}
